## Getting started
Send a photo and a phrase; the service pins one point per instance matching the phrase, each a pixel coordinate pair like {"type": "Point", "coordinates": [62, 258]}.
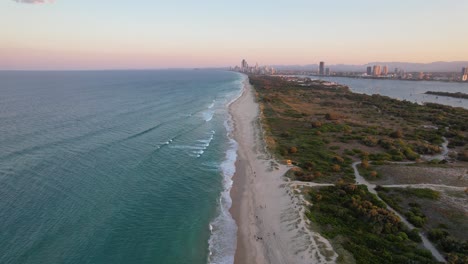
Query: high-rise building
{"type": "Point", "coordinates": [244, 66]}
{"type": "Point", "coordinates": [369, 70]}
{"type": "Point", "coordinates": [376, 70]}
{"type": "Point", "coordinates": [464, 74]}
{"type": "Point", "coordinates": [385, 70]}
{"type": "Point", "coordinates": [322, 68]}
{"type": "Point", "coordinates": [327, 71]}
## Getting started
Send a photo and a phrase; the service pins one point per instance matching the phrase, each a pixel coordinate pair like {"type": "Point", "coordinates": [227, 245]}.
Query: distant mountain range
{"type": "Point", "coordinates": [438, 66]}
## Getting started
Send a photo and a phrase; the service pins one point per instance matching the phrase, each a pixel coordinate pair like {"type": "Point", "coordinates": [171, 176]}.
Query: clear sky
{"type": "Point", "coordinates": [110, 34]}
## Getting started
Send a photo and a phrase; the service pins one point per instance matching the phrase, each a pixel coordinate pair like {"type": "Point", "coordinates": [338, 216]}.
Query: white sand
{"type": "Point", "coordinates": [272, 227]}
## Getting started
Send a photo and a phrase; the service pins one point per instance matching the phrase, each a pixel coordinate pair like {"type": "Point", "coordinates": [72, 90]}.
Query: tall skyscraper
{"type": "Point", "coordinates": [376, 70]}
{"type": "Point", "coordinates": [464, 74]}
{"type": "Point", "coordinates": [369, 71]}
{"type": "Point", "coordinates": [244, 66]}
{"type": "Point", "coordinates": [322, 68]}
{"type": "Point", "coordinates": [385, 70]}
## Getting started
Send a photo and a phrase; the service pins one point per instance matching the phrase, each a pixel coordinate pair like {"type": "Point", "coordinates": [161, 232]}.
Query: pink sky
{"type": "Point", "coordinates": [89, 34]}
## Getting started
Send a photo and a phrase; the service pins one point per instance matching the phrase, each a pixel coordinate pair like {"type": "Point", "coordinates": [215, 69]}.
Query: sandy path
{"type": "Point", "coordinates": [371, 187]}
{"type": "Point", "coordinates": [272, 227]}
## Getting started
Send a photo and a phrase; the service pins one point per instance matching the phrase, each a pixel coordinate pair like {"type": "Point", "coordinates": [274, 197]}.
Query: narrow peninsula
{"type": "Point", "coordinates": [331, 176]}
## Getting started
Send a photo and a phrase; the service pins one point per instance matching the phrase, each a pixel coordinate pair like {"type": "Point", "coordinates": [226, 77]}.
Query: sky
{"type": "Point", "coordinates": [144, 34]}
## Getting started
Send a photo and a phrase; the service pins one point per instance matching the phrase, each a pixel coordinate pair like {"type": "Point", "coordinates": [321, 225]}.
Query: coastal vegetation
{"type": "Point", "coordinates": [454, 95]}
{"type": "Point", "coordinates": [320, 126]}
{"type": "Point", "coordinates": [440, 221]}
{"type": "Point", "coordinates": [350, 214]}
{"type": "Point", "coordinates": [323, 128]}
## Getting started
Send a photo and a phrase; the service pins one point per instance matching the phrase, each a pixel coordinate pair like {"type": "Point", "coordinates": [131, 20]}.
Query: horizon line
{"type": "Point", "coordinates": [220, 67]}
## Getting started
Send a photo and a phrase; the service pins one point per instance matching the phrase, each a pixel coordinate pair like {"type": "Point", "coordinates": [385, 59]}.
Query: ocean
{"type": "Point", "coordinates": [117, 166]}
{"type": "Point", "coordinates": [413, 91]}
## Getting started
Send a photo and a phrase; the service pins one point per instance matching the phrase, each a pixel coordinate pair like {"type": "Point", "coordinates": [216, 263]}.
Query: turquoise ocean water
{"type": "Point", "coordinates": [116, 166]}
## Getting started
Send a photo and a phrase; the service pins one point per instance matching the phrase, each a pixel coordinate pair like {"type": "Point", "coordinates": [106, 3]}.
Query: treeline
{"type": "Point", "coordinates": [455, 95]}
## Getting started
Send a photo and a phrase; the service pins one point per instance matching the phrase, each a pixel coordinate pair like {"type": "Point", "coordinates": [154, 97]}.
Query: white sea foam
{"type": "Point", "coordinates": [212, 104]}
{"type": "Point", "coordinates": [187, 147]}
{"type": "Point", "coordinates": [199, 148]}
{"type": "Point", "coordinates": [206, 142]}
{"type": "Point", "coordinates": [222, 243]}
{"type": "Point", "coordinates": [160, 145]}
{"type": "Point", "coordinates": [210, 166]}
{"type": "Point", "coordinates": [207, 115]}
{"type": "Point", "coordinates": [199, 152]}
{"type": "Point", "coordinates": [223, 240]}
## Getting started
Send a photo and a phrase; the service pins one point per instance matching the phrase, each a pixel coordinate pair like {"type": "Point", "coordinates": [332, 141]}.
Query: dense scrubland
{"type": "Point", "coordinates": [323, 128]}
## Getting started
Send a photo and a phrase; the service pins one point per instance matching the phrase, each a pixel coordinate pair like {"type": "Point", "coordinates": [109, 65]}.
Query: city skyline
{"type": "Point", "coordinates": [375, 71]}
{"type": "Point", "coordinates": [122, 35]}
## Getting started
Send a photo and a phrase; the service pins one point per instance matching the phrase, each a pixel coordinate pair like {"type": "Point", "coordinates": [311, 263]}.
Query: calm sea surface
{"type": "Point", "coordinates": [116, 166]}
{"type": "Point", "coordinates": [413, 91]}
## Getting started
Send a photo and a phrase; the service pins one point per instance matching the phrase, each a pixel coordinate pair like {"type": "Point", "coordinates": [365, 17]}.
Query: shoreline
{"type": "Point", "coordinates": [271, 225]}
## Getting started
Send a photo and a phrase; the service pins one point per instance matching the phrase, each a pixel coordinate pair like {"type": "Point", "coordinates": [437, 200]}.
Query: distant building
{"type": "Point", "coordinates": [369, 70]}
{"type": "Point", "coordinates": [385, 70]}
{"type": "Point", "coordinates": [376, 70]}
{"type": "Point", "coordinates": [396, 71]}
{"type": "Point", "coordinates": [244, 66]}
{"type": "Point", "coordinates": [464, 74]}
{"type": "Point", "coordinates": [257, 69]}
{"type": "Point", "coordinates": [322, 68]}
{"type": "Point", "coordinates": [327, 71]}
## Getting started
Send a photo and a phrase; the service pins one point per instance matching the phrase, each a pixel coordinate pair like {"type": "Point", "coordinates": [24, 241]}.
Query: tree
{"type": "Point", "coordinates": [332, 116]}
{"type": "Point", "coordinates": [292, 150]}
{"type": "Point", "coordinates": [365, 164]}
{"type": "Point", "coordinates": [338, 159]}
{"type": "Point", "coordinates": [336, 168]}
{"type": "Point", "coordinates": [316, 124]}
{"type": "Point", "coordinates": [397, 134]}
{"type": "Point", "coordinates": [309, 165]}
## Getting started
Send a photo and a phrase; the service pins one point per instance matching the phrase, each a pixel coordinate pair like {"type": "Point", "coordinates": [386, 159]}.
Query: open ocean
{"type": "Point", "coordinates": [116, 166]}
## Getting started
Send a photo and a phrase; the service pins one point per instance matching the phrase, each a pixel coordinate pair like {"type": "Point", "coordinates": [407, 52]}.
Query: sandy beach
{"type": "Point", "coordinates": [272, 227]}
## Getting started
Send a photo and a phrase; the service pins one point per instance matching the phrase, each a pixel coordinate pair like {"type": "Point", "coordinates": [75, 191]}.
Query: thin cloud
{"type": "Point", "coordinates": [34, 1]}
